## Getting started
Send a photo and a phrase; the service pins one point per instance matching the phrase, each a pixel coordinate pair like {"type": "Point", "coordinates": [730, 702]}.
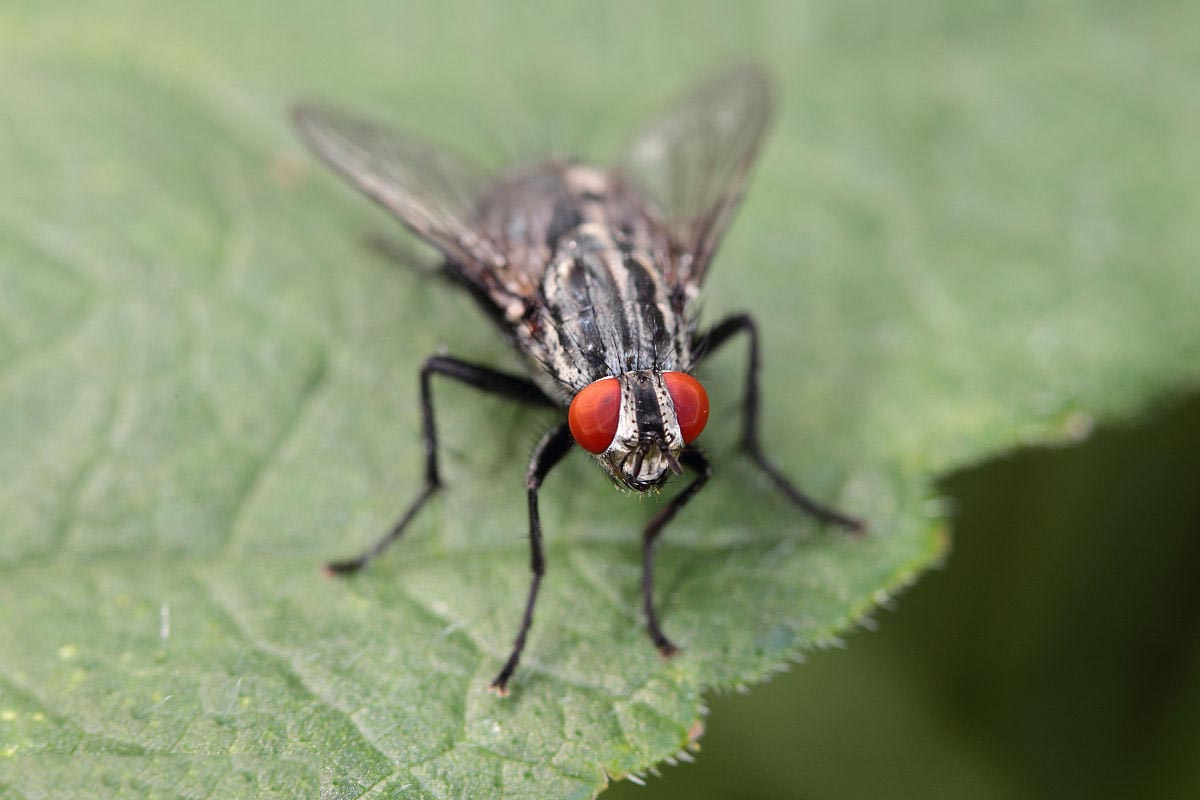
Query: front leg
{"type": "Point", "coordinates": [695, 461]}
{"type": "Point", "coordinates": [480, 377]}
{"type": "Point", "coordinates": [718, 335]}
{"type": "Point", "coordinates": [549, 451]}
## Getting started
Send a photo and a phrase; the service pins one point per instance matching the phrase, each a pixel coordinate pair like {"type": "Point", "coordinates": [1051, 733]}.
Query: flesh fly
{"type": "Point", "coordinates": [592, 274]}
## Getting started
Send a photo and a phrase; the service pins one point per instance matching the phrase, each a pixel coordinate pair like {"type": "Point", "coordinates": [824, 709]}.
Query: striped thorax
{"type": "Point", "coordinates": [604, 313]}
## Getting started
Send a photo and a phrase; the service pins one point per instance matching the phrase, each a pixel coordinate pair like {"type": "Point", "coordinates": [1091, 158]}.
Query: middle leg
{"type": "Point", "coordinates": [718, 335]}
{"type": "Point", "coordinates": [477, 376]}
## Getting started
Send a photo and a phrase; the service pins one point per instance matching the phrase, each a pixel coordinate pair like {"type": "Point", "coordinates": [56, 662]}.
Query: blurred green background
{"type": "Point", "coordinates": [1055, 655]}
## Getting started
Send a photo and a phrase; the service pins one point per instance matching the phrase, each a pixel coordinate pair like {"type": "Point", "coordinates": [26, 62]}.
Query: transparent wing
{"type": "Point", "coordinates": [693, 160]}
{"type": "Point", "coordinates": [429, 190]}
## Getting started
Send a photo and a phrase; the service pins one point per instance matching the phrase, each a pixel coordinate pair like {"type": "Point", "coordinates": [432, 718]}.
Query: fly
{"type": "Point", "coordinates": [592, 274]}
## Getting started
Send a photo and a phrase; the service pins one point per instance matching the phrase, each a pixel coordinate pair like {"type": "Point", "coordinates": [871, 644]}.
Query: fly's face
{"type": "Point", "coordinates": [638, 423]}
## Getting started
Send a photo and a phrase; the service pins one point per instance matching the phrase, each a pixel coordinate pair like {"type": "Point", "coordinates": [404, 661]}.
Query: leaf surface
{"type": "Point", "coordinates": [975, 231]}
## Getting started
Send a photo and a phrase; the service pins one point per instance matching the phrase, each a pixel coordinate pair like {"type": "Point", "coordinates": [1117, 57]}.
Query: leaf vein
{"type": "Point", "coordinates": [235, 621]}
{"type": "Point", "coordinates": [262, 465]}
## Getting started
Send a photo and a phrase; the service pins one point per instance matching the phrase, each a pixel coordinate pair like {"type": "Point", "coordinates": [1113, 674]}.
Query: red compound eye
{"type": "Point", "coordinates": [594, 414]}
{"type": "Point", "coordinates": [691, 403]}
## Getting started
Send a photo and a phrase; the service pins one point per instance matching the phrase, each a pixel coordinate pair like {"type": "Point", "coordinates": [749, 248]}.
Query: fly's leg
{"type": "Point", "coordinates": [549, 451]}
{"type": "Point", "coordinates": [719, 335]}
{"type": "Point", "coordinates": [483, 378]}
{"type": "Point", "coordinates": [695, 461]}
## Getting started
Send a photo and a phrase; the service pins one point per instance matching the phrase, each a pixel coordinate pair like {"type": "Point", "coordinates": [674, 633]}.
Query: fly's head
{"type": "Point", "coordinates": [637, 424]}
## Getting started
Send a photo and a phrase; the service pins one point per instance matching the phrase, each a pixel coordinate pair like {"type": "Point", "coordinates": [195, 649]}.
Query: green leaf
{"type": "Point", "coordinates": [972, 228]}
